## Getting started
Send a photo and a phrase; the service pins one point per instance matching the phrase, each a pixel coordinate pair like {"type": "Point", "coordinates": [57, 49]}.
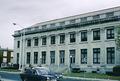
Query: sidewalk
{"type": "Point", "coordinates": [89, 79]}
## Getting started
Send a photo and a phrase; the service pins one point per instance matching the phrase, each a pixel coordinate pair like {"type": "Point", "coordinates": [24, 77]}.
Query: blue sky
{"type": "Point", "coordinates": [29, 12]}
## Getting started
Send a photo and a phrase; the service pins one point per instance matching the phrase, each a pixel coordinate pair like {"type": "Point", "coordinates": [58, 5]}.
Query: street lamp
{"type": "Point", "coordinates": [22, 48]}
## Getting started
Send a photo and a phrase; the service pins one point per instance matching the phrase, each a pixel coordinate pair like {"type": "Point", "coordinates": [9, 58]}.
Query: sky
{"type": "Point", "coordinates": [28, 12]}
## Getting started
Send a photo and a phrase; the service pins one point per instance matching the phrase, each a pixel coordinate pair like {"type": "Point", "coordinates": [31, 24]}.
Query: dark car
{"type": "Point", "coordinates": [40, 74]}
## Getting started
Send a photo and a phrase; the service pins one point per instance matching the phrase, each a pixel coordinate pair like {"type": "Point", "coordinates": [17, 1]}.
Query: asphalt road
{"type": "Point", "coordinates": [15, 77]}
{"type": "Point", "coordinates": [9, 76]}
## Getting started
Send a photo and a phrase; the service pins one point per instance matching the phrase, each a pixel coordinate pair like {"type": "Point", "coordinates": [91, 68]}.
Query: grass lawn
{"type": "Point", "coordinates": [92, 75]}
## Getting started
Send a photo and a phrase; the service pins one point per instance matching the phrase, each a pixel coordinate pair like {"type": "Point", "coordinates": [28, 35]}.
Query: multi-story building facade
{"type": "Point", "coordinates": [86, 41]}
{"type": "Point", "coordinates": [6, 56]}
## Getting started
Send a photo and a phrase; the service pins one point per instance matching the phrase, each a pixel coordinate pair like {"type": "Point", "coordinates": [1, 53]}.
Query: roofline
{"type": "Point", "coordinates": [75, 15]}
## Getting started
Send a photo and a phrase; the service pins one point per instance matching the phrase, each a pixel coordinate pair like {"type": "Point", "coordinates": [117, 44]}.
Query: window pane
{"type": "Point", "coordinates": [62, 38]}
{"type": "Point", "coordinates": [110, 55]}
{"type": "Point", "coordinates": [35, 57]}
{"type": "Point", "coordinates": [72, 37]}
{"type": "Point", "coordinates": [52, 56]}
{"type": "Point", "coordinates": [96, 55]}
{"type": "Point", "coordinates": [62, 56]}
{"type": "Point", "coordinates": [84, 36]}
{"type": "Point", "coordinates": [110, 33]}
{"type": "Point", "coordinates": [72, 56]}
{"type": "Point", "coordinates": [43, 57]}
{"type": "Point", "coordinates": [83, 56]}
{"type": "Point", "coordinates": [96, 34]}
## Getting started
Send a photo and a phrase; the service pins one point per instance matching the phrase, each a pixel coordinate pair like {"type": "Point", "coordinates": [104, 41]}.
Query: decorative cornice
{"type": "Point", "coordinates": [75, 25]}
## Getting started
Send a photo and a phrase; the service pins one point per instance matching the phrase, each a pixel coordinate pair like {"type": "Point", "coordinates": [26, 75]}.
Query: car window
{"type": "Point", "coordinates": [28, 71]}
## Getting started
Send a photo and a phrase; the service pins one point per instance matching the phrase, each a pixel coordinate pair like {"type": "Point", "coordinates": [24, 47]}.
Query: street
{"type": "Point", "coordinates": [9, 76]}
{"type": "Point", "coordinates": [15, 77]}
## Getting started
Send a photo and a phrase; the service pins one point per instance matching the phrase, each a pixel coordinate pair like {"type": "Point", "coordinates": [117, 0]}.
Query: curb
{"type": "Point", "coordinates": [92, 79]}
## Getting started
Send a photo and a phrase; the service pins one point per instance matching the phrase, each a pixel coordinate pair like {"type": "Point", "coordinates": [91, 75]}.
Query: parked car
{"type": "Point", "coordinates": [40, 74]}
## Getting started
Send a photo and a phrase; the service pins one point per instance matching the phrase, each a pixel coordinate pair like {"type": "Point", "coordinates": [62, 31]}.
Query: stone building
{"type": "Point", "coordinates": [6, 56]}
{"type": "Point", "coordinates": [86, 41]}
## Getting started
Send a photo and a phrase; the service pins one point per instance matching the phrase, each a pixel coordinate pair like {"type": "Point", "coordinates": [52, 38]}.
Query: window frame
{"type": "Point", "coordinates": [72, 37]}
{"type": "Point", "coordinates": [96, 34]}
{"type": "Point", "coordinates": [83, 56]}
{"type": "Point", "coordinates": [44, 40]}
{"type": "Point", "coordinates": [52, 57]}
{"type": "Point", "coordinates": [83, 36]}
{"type": "Point", "coordinates": [62, 56]}
{"type": "Point", "coordinates": [18, 44]}
{"type": "Point", "coordinates": [62, 38]}
{"type": "Point", "coordinates": [53, 39]}
{"type": "Point", "coordinates": [110, 55]}
{"type": "Point", "coordinates": [28, 58]}
{"type": "Point", "coordinates": [35, 57]}
{"type": "Point", "coordinates": [36, 41]}
{"type": "Point", "coordinates": [96, 55]}
{"type": "Point", "coordinates": [110, 34]}
{"type": "Point", "coordinates": [43, 58]}
{"type": "Point", "coordinates": [72, 53]}
{"type": "Point", "coordinates": [28, 42]}
{"type": "Point", "coordinates": [17, 59]}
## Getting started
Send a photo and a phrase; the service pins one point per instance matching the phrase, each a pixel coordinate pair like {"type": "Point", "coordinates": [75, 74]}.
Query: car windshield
{"type": "Point", "coordinates": [42, 71]}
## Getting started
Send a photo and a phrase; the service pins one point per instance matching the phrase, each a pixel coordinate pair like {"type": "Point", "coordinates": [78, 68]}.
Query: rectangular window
{"type": "Point", "coordinates": [36, 28]}
{"type": "Point", "coordinates": [72, 56]}
{"type": "Point", "coordinates": [5, 53]}
{"type": "Point", "coordinates": [110, 14]}
{"type": "Point", "coordinates": [52, 57]}
{"type": "Point", "coordinates": [62, 56]}
{"type": "Point", "coordinates": [110, 33]}
{"type": "Point", "coordinates": [72, 37]}
{"type": "Point", "coordinates": [35, 57]}
{"type": "Point", "coordinates": [83, 56]}
{"type": "Point", "coordinates": [4, 60]}
{"type": "Point", "coordinates": [28, 58]}
{"type": "Point", "coordinates": [96, 17]}
{"type": "Point", "coordinates": [44, 41]}
{"type": "Point", "coordinates": [96, 34]}
{"type": "Point", "coordinates": [110, 55]}
{"type": "Point", "coordinates": [62, 23]}
{"type": "Point", "coordinates": [52, 25]}
{"type": "Point", "coordinates": [17, 58]}
{"type": "Point", "coordinates": [28, 42]}
{"type": "Point", "coordinates": [84, 19]}
{"type": "Point", "coordinates": [43, 57]}
{"type": "Point", "coordinates": [36, 42]}
{"type": "Point", "coordinates": [84, 36]}
{"type": "Point", "coordinates": [44, 26]}
{"type": "Point", "coordinates": [72, 21]}
{"type": "Point", "coordinates": [18, 44]}
{"type": "Point", "coordinates": [96, 55]}
{"type": "Point", "coordinates": [62, 38]}
{"type": "Point", "coordinates": [52, 39]}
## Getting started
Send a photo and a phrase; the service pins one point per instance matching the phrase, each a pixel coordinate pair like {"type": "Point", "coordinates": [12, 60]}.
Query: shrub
{"type": "Point", "coordinates": [75, 70]}
{"type": "Point", "coordinates": [116, 70]}
{"type": "Point", "coordinates": [94, 72]}
{"type": "Point", "coordinates": [109, 73]}
{"type": "Point", "coordinates": [15, 66]}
